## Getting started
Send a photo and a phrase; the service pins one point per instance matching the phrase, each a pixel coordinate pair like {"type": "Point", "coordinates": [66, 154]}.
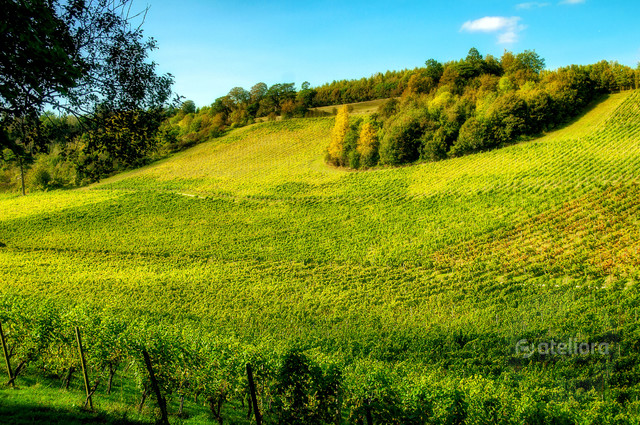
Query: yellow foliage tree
{"type": "Point", "coordinates": [340, 128]}
{"type": "Point", "coordinates": [367, 145]}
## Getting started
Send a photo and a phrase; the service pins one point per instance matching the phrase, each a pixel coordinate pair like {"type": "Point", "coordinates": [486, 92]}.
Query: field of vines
{"type": "Point", "coordinates": [394, 295]}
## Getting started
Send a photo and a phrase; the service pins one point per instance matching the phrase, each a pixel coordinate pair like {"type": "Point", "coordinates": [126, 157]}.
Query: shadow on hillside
{"type": "Point", "coordinates": [15, 413]}
{"type": "Point", "coordinates": [590, 107]}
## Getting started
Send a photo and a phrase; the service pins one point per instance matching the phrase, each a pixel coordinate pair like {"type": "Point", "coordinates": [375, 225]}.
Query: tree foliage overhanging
{"type": "Point", "coordinates": [465, 106]}
{"type": "Point", "coordinates": [85, 59]}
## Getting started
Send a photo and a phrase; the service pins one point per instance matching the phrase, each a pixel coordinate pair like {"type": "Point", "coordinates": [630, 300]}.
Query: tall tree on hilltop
{"type": "Point", "coordinates": [434, 70]}
{"type": "Point", "coordinates": [276, 96]}
{"type": "Point", "coordinates": [239, 97]}
{"type": "Point", "coordinates": [306, 95]}
{"type": "Point", "coordinates": [188, 107]}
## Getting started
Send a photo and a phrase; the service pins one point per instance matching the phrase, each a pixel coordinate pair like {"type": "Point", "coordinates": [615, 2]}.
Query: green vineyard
{"type": "Point", "coordinates": [393, 295]}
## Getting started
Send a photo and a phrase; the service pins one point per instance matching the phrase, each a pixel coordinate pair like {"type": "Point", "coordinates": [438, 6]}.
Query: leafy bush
{"type": "Point", "coordinates": [474, 136]}
{"type": "Point", "coordinates": [435, 145]}
{"type": "Point", "coordinates": [51, 171]}
{"type": "Point", "coordinates": [305, 394]}
{"type": "Point", "coordinates": [400, 142]}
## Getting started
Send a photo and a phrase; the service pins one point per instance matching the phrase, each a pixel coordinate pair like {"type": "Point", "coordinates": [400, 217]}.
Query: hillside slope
{"type": "Point", "coordinates": [273, 202]}
{"type": "Point", "coordinates": [443, 265]}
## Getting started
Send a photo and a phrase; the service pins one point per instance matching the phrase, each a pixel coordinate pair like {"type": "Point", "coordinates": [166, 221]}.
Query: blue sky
{"type": "Point", "coordinates": [212, 46]}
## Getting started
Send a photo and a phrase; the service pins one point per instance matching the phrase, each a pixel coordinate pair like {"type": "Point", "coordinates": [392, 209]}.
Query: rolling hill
{"type": "Point", "coordinates": [429, 272]}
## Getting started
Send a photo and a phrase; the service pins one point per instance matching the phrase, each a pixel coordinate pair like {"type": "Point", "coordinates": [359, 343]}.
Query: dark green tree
{"type": "Point", "coordinates": [306, 95]}
{"type": "Point", "coordinates": [475, 61]}
{"type": "Point", "coordinates": [239, 97]}
{"type": "Point", "coordinates": [400, 142]}
{"type": "Point", "coordinates": [473, 137]}
{"type": "Point", "coordinates": [188, 107]}
{"type": "Point", "coordinates": [530, 60]}
{"type": "Point", "coordinates": [506, 120]}
{"type": "Point", "coordinates": [276, 96]}
{"type": "Point", "coordinates": [434, 69]}
{"type": "Point", "coordinates": [256, 93]}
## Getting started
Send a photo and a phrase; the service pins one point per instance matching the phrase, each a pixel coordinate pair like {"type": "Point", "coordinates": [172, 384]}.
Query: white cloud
{"type": "Point", "coordinates": [507, 28]}
{"type": "Point", "coordinates": [572, 1]}
{"type": "Point", "coordinates": [531, 5]}
{"type": "Point", "coordinates": [508, 37]}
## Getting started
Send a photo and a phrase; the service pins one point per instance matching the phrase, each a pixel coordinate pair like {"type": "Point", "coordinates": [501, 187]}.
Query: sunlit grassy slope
{"type": "Point", "coordinates": [356, 108]}
{"type": "Point", "coordinates": [277, 245]}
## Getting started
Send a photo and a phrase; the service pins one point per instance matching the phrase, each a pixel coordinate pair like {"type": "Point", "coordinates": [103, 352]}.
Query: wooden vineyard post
{"type": "Point", "coordinates": [85, 375]}
{"type": "Point", "coordinates": [367, 411]}
{"type": "Point", "coordinates": [6, 357]}
{"type": "Point", "coordinates": [164, 420]}
{"type": "Point", "coordinates": [252, 391]}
